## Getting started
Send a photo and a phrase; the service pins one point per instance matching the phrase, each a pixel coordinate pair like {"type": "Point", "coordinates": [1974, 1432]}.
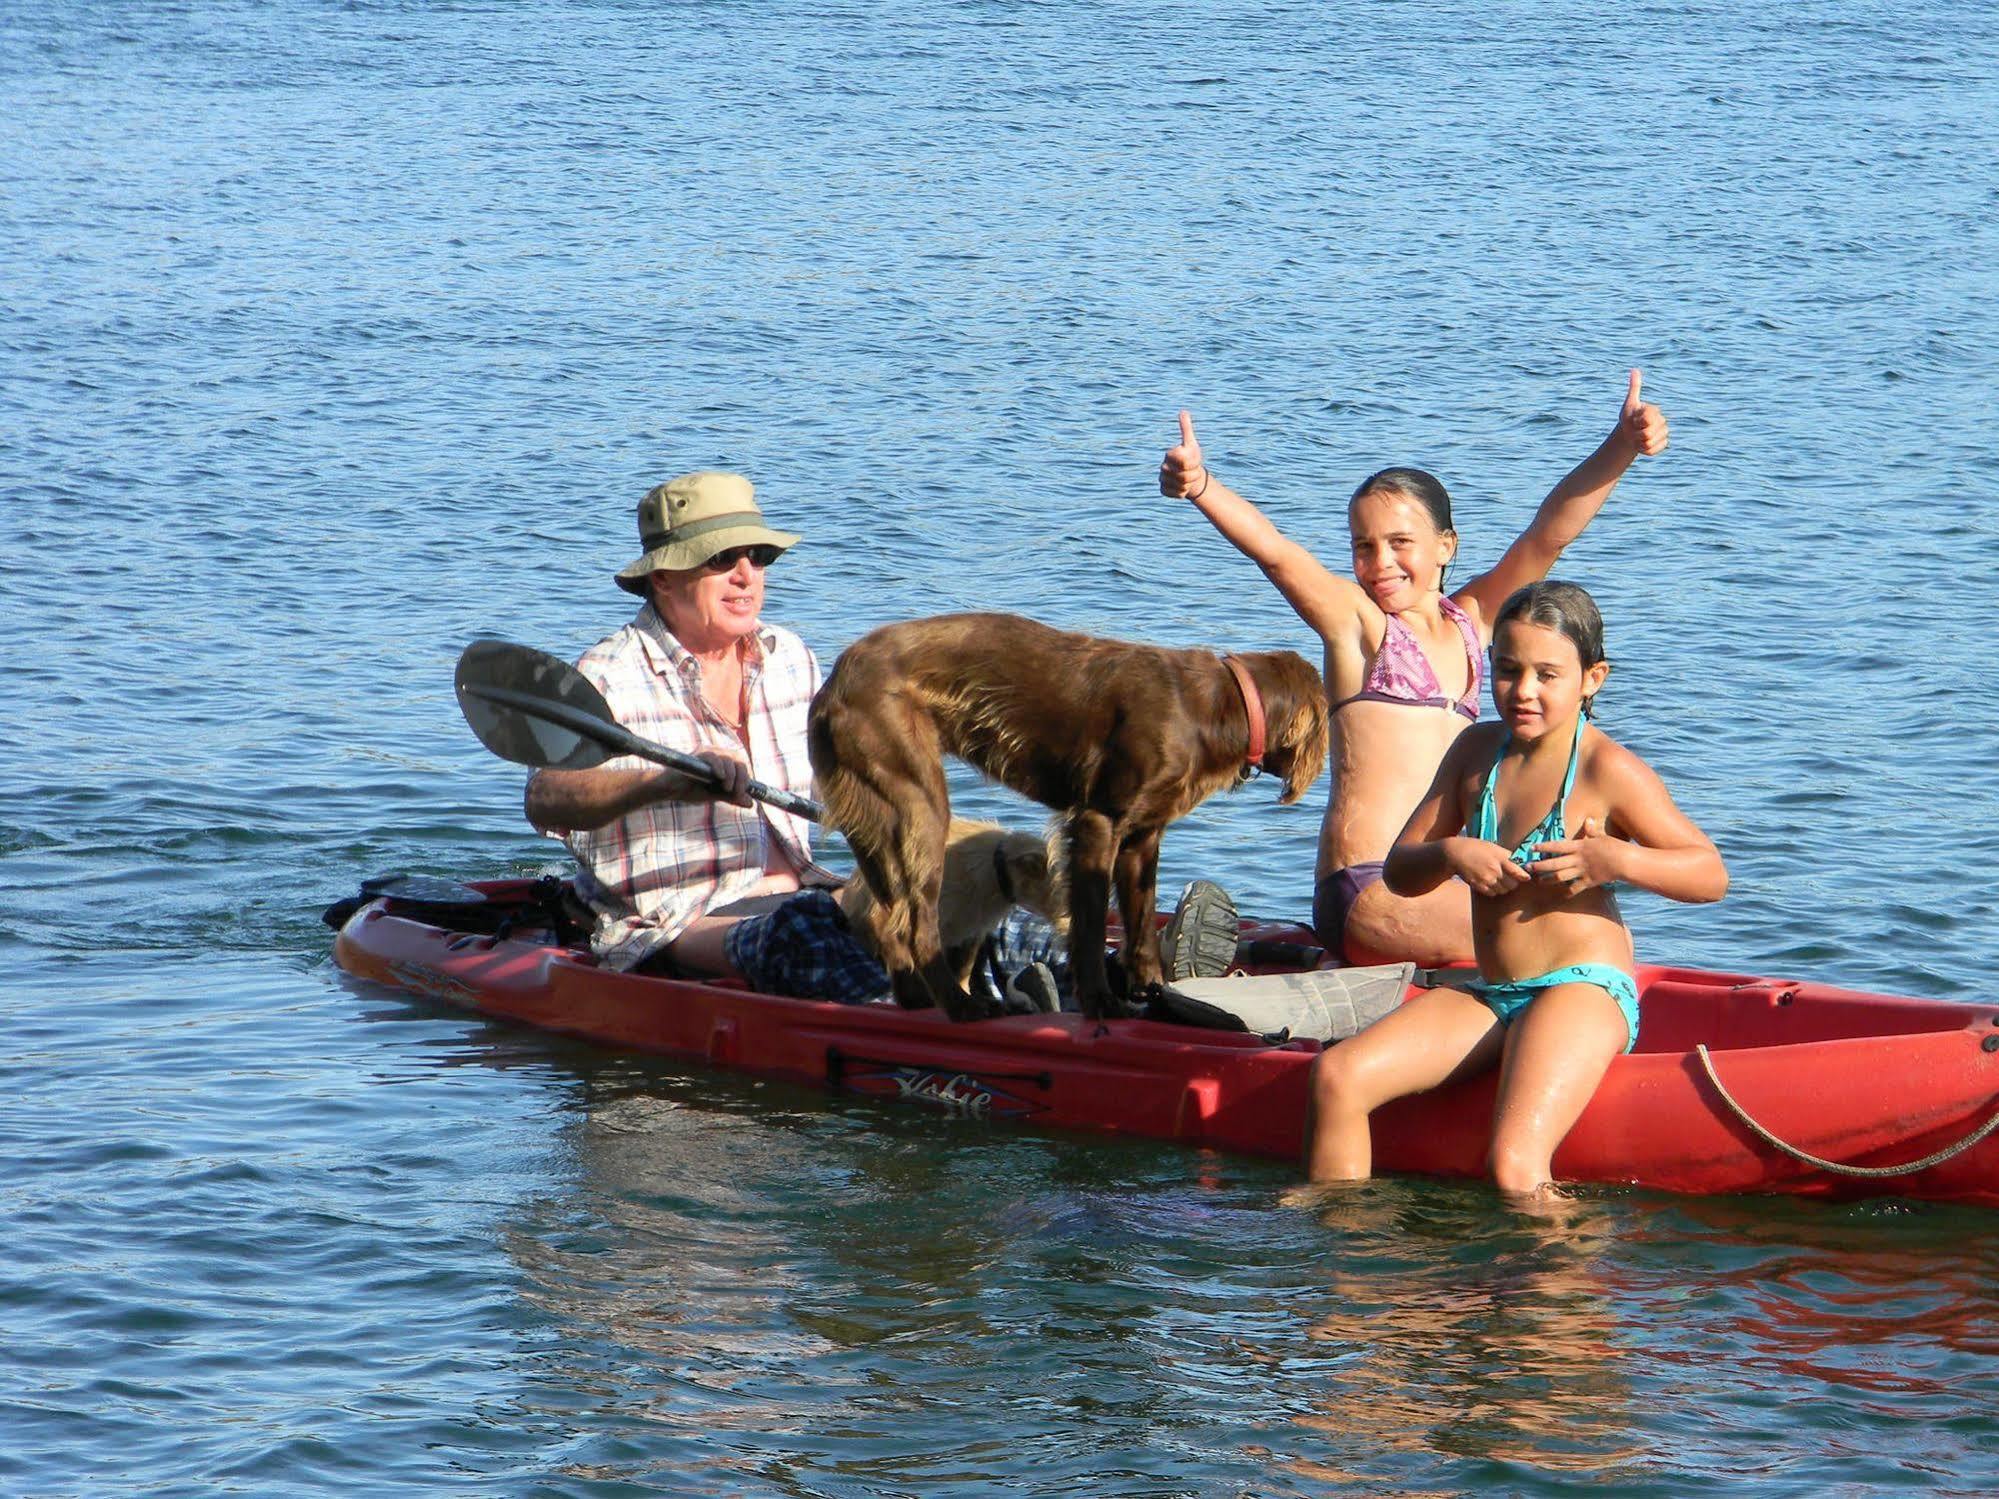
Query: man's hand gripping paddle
{"type": "Point", "coordinates": [535, 709]}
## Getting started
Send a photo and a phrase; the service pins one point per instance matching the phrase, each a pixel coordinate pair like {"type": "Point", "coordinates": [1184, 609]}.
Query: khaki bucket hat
{"type": "Point", "coordinates": [685, 521]}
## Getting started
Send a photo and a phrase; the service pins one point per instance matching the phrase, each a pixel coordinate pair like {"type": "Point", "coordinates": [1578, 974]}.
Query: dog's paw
{"type": "Point", "coordinates": [974, 1007]}
{"type": "Point", "coordinates": [910, 991]}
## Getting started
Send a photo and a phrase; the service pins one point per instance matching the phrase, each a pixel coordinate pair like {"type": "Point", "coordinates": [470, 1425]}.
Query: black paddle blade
{"type": "Point", "coordinates": [529, 707]}
{"type": "Point", "coordinates": [495, 666]}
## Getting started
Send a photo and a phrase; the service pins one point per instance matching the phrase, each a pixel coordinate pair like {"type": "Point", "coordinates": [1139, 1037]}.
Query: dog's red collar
{"type": "Point", "coordinates": [1252, 703]}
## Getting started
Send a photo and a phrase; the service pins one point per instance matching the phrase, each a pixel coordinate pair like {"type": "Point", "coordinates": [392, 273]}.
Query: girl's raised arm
{"type": "Point", "coordinates": [1570, 506]}
{"type": "Point", "coordinates": [1649, 843]}
{"type": "Point", "coordinates": [1330, 604]}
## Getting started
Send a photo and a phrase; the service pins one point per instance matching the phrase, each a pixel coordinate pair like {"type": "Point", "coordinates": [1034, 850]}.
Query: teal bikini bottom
{"type": "Point", "coordinates": [1508, 997]}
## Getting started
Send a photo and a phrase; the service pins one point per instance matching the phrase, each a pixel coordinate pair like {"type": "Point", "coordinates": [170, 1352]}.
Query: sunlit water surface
{"type": "Point", "coordinates": [332, 337]}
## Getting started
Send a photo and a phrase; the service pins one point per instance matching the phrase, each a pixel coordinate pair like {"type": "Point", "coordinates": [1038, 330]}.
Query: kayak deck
{"type": "Point", "coordinates": [1862, 1079]}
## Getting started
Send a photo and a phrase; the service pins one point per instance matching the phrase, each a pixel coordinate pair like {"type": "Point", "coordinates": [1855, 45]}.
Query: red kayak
{"type": "Point", "coordinates": [1804, 1088]}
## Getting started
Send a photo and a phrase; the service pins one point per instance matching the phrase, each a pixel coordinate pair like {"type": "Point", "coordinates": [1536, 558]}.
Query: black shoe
{"type": "Point", "coordinates": [1032, 991]}
{"type": "Point", "coordinates": [1200, 941]}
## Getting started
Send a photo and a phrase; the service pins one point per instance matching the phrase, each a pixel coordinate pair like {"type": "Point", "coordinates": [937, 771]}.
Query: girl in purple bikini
{"type": "Point", "coordinates": [1402, 662]}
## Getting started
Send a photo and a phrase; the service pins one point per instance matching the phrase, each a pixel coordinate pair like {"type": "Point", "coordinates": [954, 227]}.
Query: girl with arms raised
{"type": "Point", "coordinates": [1402, 662]}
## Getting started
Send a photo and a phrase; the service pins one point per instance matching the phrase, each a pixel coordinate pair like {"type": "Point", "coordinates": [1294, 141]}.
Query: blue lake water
{"type": "Point", "coordinates": [334, 336]}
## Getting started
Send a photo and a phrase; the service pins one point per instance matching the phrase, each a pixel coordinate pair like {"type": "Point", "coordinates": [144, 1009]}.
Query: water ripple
{"type": "Point", "coordinates": [335, 337]}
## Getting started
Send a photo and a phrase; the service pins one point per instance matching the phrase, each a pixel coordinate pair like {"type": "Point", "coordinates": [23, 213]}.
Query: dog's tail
{"type": "Point", "coordinates": [1045, 870]}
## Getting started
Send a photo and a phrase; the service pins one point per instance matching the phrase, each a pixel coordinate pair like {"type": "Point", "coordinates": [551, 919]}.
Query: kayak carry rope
{"type": "Point", "coordinates": [1836, 1167]}
{"type": "Point", "coordinates": [536, 709]}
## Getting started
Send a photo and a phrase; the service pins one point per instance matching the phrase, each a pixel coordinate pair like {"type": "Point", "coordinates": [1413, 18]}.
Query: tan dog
{"type": "Point", "coordinates": [1120, 739]}
{"type": "Point", "coordinates": [987, 871]}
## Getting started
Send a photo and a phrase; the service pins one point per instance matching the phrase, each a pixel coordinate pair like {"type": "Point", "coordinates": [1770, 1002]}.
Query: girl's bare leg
{"type": "Point", "coordinates": [1429, 930]}
{"type": "Point", "coordinates": [1434, 1038]}
{"type": "Point", "coordinates": [1556, 1053]}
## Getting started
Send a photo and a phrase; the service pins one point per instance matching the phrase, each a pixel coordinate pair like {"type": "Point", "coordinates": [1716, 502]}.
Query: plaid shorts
{"type": "Point", "coordinates": [1021, 938]}
{"type": "Point", "coordinates": [804, 949]}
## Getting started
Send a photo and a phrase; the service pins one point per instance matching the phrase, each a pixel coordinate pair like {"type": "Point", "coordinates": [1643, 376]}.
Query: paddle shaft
{"type": "Point", "coordinates": [615, 736]}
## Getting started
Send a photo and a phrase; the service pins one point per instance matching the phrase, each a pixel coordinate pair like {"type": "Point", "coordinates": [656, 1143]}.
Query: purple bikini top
{"type": "Point", "coordinates": [1401, 673]}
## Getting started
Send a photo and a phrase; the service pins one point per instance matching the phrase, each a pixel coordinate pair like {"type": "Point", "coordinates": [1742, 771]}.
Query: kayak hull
{"type": "Point", "coordinates": [1865, 1080]}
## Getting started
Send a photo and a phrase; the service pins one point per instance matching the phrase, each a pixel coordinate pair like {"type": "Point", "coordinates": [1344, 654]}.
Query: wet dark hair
{"type": "Point", "coordinates": [1424, 488]}
{"type": "Point", "coordinates": [1566, 607]}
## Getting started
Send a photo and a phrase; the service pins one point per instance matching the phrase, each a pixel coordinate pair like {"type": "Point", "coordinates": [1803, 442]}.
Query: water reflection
{"type": "Point", "coordinates": [759, 1279]}
{"type": "Point", "coordinates": [1876, 1299]}
{"type": "Point", "coordinates": [781, 1285]}
{"type": "Point", "coordinates": [1467, 1332]}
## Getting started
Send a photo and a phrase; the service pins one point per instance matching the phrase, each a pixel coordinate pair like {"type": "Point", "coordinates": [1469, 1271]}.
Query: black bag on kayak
{"type": "Point", "coordinates": [550, 904]}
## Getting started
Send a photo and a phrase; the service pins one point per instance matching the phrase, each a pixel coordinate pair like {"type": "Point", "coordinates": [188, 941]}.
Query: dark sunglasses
{"type": "Point", "coordinates": [761, 556]}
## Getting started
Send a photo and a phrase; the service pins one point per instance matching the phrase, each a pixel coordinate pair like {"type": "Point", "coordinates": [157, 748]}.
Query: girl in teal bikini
{"type": "Point", "coordinates": [1539, 814]}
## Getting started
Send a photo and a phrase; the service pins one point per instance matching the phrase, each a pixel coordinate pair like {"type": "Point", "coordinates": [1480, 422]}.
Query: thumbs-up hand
{"type": "Point", "coordinates": [1642, 423]}
{"type": "Point", "coordinates": [1182, 475]}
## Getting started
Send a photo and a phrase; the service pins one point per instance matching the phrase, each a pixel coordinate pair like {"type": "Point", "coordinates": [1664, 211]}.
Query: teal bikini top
{"type": "Point", "coordinates": [1550, 829]}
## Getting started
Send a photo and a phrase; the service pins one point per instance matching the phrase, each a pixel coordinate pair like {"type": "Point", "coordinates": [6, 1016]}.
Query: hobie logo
{"type": "Point", "coordinates": [958, 1092]}
{"type": "Point", "coordinates": [966, 1094]}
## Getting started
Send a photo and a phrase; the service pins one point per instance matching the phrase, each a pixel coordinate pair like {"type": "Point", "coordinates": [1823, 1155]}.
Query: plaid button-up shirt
{"type": "Point", "coordinates": [653, 871]}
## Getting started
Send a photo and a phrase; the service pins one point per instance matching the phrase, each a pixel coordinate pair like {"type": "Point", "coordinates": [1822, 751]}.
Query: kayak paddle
{"type": "Point", "coordinates": [536, 709]}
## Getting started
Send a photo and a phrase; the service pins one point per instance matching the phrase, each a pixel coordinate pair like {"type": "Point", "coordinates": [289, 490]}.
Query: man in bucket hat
{"type": "Point", "coordinates": [669, 864]}
{"type": "Point", "coordinates": [693, 879]}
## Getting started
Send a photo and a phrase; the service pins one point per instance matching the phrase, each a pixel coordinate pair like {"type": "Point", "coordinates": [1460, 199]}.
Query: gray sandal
{"type": "Point", "coordinates": [1200, 940]}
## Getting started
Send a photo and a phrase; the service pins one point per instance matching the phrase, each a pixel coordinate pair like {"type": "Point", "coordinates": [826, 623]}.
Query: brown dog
{"type": "Point", "coordinates": [1120, 739]}
{"type": "Point", "coordinates": [987, 871]}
